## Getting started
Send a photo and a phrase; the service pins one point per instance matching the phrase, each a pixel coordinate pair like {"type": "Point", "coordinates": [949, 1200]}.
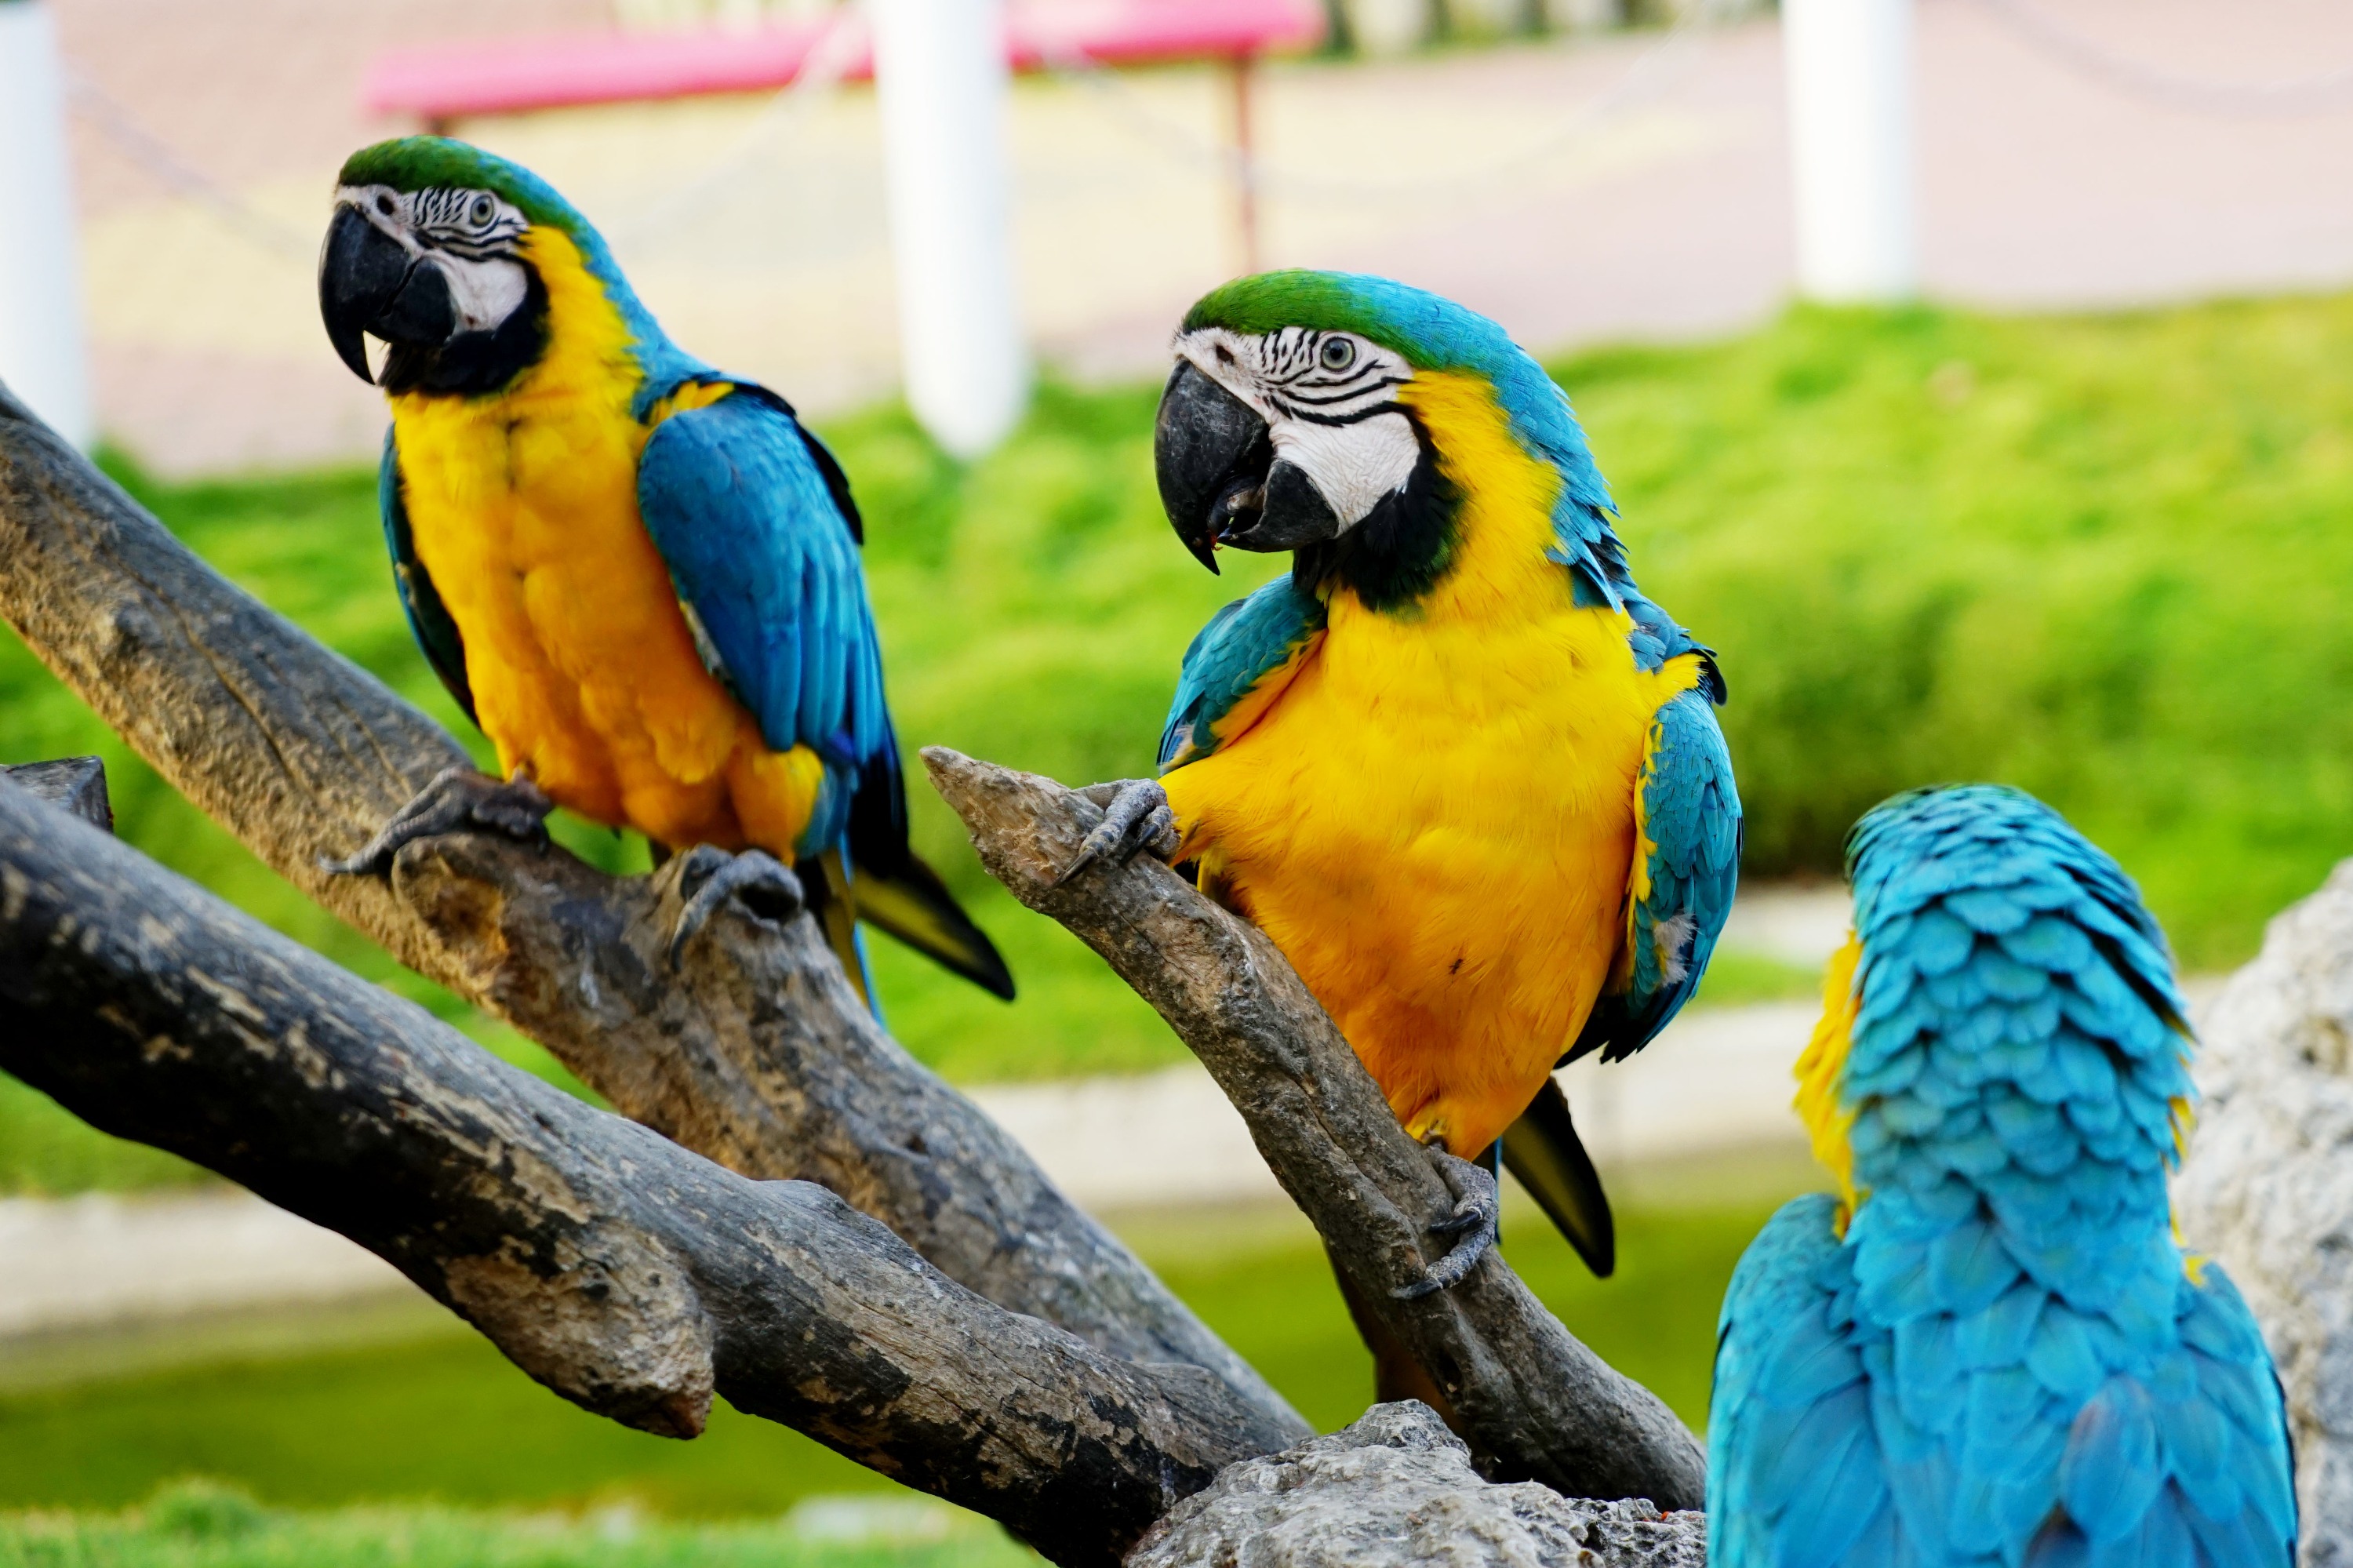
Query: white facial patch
{"type": "Point", "coordinates": [486, 293]}
{"type": "Point", "coordinates": [1352, 466]}
{"type": "Point", "coordinates": [468, 235]}
{"type": "Point", "coordinates": [1329, 399]}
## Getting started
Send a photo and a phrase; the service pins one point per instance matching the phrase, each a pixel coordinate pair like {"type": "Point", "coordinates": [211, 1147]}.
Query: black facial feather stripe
{"type": "Point", "coordinates": [1341, 394]}
{"type": "Point", "coordinates": [1354, 416]}
{"type": "Point", "coordinates": [449, 218]}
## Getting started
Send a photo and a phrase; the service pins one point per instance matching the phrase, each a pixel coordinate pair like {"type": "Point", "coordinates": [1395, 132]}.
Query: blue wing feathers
{"type": "Point", "coordinates": [745, 513]}
{"type": "Point", "coordinates": [1689, 809]}
{"type": "Point", "coordinates": [1252, 639]}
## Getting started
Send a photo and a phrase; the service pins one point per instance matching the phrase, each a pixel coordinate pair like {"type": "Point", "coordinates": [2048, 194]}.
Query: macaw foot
{"type": "Point", "coordinates": [1136, 817]}
{"type": "Point", "coordinates": [458, 798]}
{"type": "Point", "coordinates": [1477, 1207]}
{"type": "Point", "coordinates": [765, 886]}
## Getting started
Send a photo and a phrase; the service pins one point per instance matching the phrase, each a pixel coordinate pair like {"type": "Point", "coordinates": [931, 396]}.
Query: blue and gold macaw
{"type": "Point", "coordinates": [1989, 1348]}
{"type": "Point", "coordinates": [639, 576]}
{"type": "Point", "coordinates": [1453, 763]}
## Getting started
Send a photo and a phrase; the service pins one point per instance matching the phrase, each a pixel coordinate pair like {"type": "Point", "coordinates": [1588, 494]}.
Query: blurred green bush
{"type": "Point", "coordinates": [2104, 558]}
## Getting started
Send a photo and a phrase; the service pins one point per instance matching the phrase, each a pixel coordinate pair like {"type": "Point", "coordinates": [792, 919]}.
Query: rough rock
{"type": "Point", "coordinates": [2268, 1185]}
{"type": "Point", "coordinates": [1397, 1488]}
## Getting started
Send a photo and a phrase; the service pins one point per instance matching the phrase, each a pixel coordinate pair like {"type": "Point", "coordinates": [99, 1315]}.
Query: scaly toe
{"type": "Point", "coordinates": [458, 798]}
{"type": "Point", "coordinates": [1137, 817]}
{"type": "Point", "coordinates": [717, 876]}
{"type": "Point", "coordinates": [1478, 1204]}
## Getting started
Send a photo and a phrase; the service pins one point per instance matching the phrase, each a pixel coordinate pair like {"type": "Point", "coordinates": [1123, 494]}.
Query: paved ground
{"type": "Point", "coordinates": [1484, 174]}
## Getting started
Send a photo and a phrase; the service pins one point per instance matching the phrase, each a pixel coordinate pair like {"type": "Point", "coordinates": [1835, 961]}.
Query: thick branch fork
{"type": "Point", "coordinates": [629, 1275]}
{"type": "Point", "coordinates": [754, 1051]}
{"type": "Point", "coordinates": [1536, 1404]}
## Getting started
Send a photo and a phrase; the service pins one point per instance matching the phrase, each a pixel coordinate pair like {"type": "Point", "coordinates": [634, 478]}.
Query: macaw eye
{"type": "Point", "coordinates": [1337, 353]}
{"type": "Point", "coordinates": [482, 210]}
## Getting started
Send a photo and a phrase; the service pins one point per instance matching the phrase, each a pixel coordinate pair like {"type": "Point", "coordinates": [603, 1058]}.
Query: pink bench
{"type": "Point", "coordinates": [448, 83]}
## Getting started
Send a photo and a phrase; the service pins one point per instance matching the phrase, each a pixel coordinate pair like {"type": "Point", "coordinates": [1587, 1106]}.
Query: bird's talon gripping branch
{"type": "Point", "coordinates": [710, 877]}
{"type": "Point", "coordinates": [1137, 817]}
{"type": "Point", "coordinates": [1477, 1207]}
{"type": "Point", "coordinates": [458, 799]}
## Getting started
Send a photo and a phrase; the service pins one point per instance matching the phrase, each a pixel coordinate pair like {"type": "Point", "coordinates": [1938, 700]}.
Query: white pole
{"type": "Point", "coordinates": [940, 75]}
{"type": "Point", "coordinates": [1850, 148]}
{"type": "Point", "coordinates": [42, 358]}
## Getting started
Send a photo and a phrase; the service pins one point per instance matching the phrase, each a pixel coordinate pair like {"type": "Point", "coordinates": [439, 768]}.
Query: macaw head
{"type": "Point", "coordinates": [2006, 1009]}
{"type": "Point", "coordinates": [1298, 417]}
{"type": "Point", "coordinates": [430, 250]}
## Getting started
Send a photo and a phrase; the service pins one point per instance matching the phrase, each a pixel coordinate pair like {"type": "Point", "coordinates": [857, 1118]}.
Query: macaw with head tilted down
{"type": "Point", "coordinates": [639, 575]}
{"type": "Point", "coordinates": [1466, 777]}
{"type": "Point", "coordinates": [1989, 1347]}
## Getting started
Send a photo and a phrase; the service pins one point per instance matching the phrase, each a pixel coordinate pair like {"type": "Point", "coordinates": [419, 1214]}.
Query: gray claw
{"type": "Point", "coordinates": [710, 877]}
{"type": "Point", "coordinates": [458, 798]}
{"type": "Point", "coordinates": [1136, 817]}
{"type": "Point", "coordinates": [1478, 1208]}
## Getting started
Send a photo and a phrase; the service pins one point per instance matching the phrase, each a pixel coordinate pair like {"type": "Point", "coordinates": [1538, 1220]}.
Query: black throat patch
{"type": "Point", "coordinates": [1400, 551]}
{"type": "Point", "coordinates": [475, 364]}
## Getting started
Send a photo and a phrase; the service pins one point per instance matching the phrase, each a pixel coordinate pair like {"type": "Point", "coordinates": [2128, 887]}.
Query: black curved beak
{"type": "Point", "coordinates": [368, 284]}
{"type": "Point", "coordinates": [1211, 453]}
{"type": "Point", "coordinates": [1220, 480]}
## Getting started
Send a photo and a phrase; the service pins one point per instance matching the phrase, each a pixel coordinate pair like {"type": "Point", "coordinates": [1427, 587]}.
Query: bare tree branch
{"type": "Point", "coordinates": [621, 1271]}
{"type": "Point", "coordinates": [756, 1053]}
{"type": "Point", "coordinates": [76, 783]}
{"type": "Point", "coordinates": [1536, 1404]}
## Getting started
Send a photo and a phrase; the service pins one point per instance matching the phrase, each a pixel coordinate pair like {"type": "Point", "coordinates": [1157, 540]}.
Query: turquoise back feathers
{"type": "Point", "coordinates": [2005, 1358]}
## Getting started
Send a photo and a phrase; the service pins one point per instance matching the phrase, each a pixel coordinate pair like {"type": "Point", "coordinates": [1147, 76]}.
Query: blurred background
{"type": "Point", "coordinates": [1993, 415]}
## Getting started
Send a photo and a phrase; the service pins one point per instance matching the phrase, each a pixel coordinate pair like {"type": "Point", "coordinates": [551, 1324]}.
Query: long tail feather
{"type": "Point", "coordinates": [912, 904]}
{"type": "Point", "coordinates": [826, 884]}
{"type": "Point", "coordinates": [1542, 1150]}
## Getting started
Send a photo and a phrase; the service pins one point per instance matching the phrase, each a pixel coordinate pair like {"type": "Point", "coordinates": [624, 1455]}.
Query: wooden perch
{"type": "Point", "coordinates": [76, 783]}
{"type": "Point", "coordinates": [1534, 1403]}
{"type": "Point", "coordinates": [631, 1277]}
{"type": "Point", "coordinates": [756, 1052]}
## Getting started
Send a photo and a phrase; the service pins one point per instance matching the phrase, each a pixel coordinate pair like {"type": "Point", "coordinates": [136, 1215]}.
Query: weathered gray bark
{"type": "Point", "coordinates": [629, 1275]}
{"type": "Point", "coordinates": [1533, 1401]}
{"type": "Point", "coordinates": [76, 783]}
{"type": "Point", "coordinates": [754, 1052]}
{"type": "Point", "coordinates": [2268, 1186]}
{"type": "Point", "coordinates": [1395, 1490]}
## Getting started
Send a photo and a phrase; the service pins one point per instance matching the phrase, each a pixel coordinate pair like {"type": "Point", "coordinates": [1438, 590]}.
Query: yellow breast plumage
{"type": "Point", "coordinates": [522, 509]}
{"type": "Point", "coordinates": [1435, 820]}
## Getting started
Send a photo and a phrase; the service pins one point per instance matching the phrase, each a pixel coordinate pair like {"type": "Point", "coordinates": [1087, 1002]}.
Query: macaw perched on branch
{"type": "Point", "coordinates": [1453, 763]}
{"type": "Point", "coordinates": [1989, 1348]}
{"type": "Point", "coordinates": [639, 576]}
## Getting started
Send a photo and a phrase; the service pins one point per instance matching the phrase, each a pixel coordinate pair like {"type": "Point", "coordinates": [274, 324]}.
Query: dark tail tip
{"type": "Point", "coordinates": [1543, 1150]}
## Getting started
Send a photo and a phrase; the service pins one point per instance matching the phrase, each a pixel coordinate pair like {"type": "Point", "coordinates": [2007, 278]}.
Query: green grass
{"type": "Point", "coordinates": [205, 1525]}
{"type": "Point", "coordinates": [2101, 557]}
{"type": "Point", "coordinates": [439, 1417]}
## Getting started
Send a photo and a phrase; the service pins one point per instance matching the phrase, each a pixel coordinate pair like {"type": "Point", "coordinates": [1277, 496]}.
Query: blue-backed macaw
{"type": "Point", "coordinates": [1453, 763]}
{"type": "Point", "coordinates": [639, 576]}
{"type": "Point", "coordinates": [1989, 1348]}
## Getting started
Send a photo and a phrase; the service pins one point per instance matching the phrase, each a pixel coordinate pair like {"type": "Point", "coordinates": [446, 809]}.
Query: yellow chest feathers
{"type": "Point", "coordinates": [522, 510]}
{"type": "Point", "coordinates": [1496, 669]}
